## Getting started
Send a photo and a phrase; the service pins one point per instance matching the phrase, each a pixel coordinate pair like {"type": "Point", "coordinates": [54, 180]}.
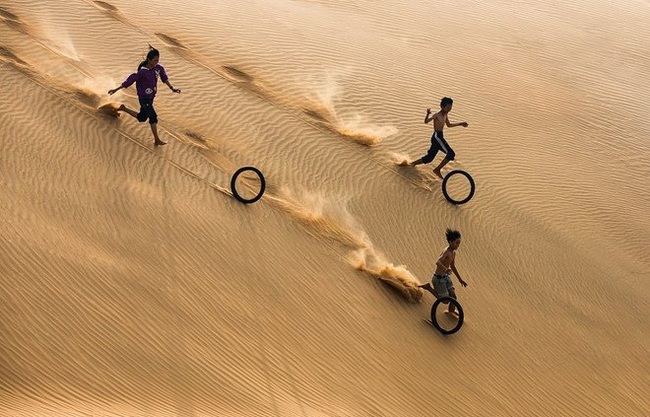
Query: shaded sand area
{"type": "Point", "coordinates": [133, 284]}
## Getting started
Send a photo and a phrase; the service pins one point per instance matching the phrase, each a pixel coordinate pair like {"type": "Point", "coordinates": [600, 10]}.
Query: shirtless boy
{"type": "Point", "coordinates": [441, 285]}
{"type": "Point", "coordinates": [438, 142]}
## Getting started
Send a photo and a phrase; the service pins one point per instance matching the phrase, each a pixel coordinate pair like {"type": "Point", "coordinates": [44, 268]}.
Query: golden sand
{"type": "Point", "coordinates": [133, 284]}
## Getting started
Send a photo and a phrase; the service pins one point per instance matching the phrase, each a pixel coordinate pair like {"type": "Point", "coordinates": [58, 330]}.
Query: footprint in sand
{"type": "Point", "coordinates": [114, 13]}
{"type": "Point", "coordinates": [227, 71]}
{"type": "Point", "coordinates": [106, 6]}
{"type": "Point", "coordinates": [109, 109]}
{"type": "Point", "coordinates": [237, 74]}
{"type": "Point", "coordinates": [14, 22]}
{"type": "Point", "coordinates": [194, 136]}
{"type": "Point", "coordinates": [195, 139]}
{"type": "Point", "coordinates": [8, 16]}
{"type": "Point", "coordinates": [88, 98]}
{"type": "Point", "coordinates": [316, 115]}
{"type": "Point", "coordinates": [325, 122]}
{"type": "Point", "coordinates": [170, 41]}
{"type": "Point", "coordinates": [9, 57]}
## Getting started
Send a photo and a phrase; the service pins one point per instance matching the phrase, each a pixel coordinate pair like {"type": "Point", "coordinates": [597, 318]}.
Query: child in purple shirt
{"type": "Point", "coordinates": [146, 81]}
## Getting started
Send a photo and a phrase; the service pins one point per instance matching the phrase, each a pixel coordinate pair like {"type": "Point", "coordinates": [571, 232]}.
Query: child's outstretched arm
{"type": "Point", "coordinates": [464, 124]}
{"type": "Point", "coordinates": [171, 87]}
{"type": "Point", "coordinates": [115, 90]}
{"type": "Point", "coordinates": [165, 78]}
{"type": "Point", "coordinates": [127, 83]}
{"type": "Point", "coordinates": [453, 268]}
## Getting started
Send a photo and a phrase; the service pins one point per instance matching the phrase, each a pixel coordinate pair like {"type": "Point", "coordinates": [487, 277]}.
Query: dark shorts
{"type": "Point", "coordinates": [147, 111]}
{"type": "Point", "coordinates": [438, 143]}
{"type": "Point", "coordinates": [442, 285]}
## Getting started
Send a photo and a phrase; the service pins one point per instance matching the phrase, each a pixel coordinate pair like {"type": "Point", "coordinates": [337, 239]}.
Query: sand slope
{"type": "Point", "coordinates": [133, 284]}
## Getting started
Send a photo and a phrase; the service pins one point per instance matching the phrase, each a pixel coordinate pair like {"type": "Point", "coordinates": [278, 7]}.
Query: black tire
{"type": "Point", "coordinates": [461, 315]}
{"type": "Point", "coordinates": [233, 184]}
{"type": "Point", "coordinates": [471, 184]}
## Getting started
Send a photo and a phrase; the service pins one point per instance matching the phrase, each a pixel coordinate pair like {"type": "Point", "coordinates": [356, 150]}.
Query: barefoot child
{"type": "Point", "coordinates": [146, 82]}
{"type": "Point", "coordinates": [438, 142]}
{"type": "Point", "coordinates": [441, 285]}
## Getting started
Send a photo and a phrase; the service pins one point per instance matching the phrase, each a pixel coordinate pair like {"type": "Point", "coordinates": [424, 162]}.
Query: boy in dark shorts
{"type": "Point", "coordinates": [441, 285]}
{"type": "Point", "coordinates": [438, 142]}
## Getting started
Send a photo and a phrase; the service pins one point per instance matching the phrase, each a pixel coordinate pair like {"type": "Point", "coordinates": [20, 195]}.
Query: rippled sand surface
{"type": "Point", "coordinates": [133, 284]}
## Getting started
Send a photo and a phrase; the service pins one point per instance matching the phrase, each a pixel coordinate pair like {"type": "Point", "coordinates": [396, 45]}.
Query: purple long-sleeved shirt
{"type": "Point", "coordinates": [146, 80]}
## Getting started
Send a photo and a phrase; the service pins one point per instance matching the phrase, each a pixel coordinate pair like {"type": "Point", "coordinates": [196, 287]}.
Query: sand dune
{"type": "Point", "coordinates": [132, 283]}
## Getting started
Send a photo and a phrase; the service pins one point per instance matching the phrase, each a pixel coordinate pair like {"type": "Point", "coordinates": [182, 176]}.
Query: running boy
{"type": "Point", "coordinates": [438, 142]}
{"type": "Point", "coordinates": [441, 285]}
{"type": "Point", "coordinates": [146, 83]}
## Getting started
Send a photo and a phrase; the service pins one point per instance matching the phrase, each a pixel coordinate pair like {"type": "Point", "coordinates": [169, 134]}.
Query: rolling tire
{"type": "Point", "coordinates": [471, 184]}
{"type": "Point", "coordinates": [233, 184]}
{"type": "Point", "coordinates": [461, 315]}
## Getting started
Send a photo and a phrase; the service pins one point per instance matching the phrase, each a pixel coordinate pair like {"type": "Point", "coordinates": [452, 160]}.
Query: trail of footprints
{"type": "Point", "coordinates": [320, 118]}
{"type": "Point", "coordinates": [316, 116]}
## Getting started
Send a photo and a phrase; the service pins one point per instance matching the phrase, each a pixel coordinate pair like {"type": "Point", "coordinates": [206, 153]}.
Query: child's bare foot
{"type": "Point", "coordinates": [437, 172]}
{"type": "Point", "coordinates": [453, 313]}
{"type": "Point", "coordinates": [159, 143]}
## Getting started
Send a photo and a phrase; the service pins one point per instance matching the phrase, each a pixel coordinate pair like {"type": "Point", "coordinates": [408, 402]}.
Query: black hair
{"type": "Point", "coordinates": [452, 235]}
{"type": "Point", "coordinates": [153, 53]}
{"type": "Point", "coordinates": [446, 101]}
